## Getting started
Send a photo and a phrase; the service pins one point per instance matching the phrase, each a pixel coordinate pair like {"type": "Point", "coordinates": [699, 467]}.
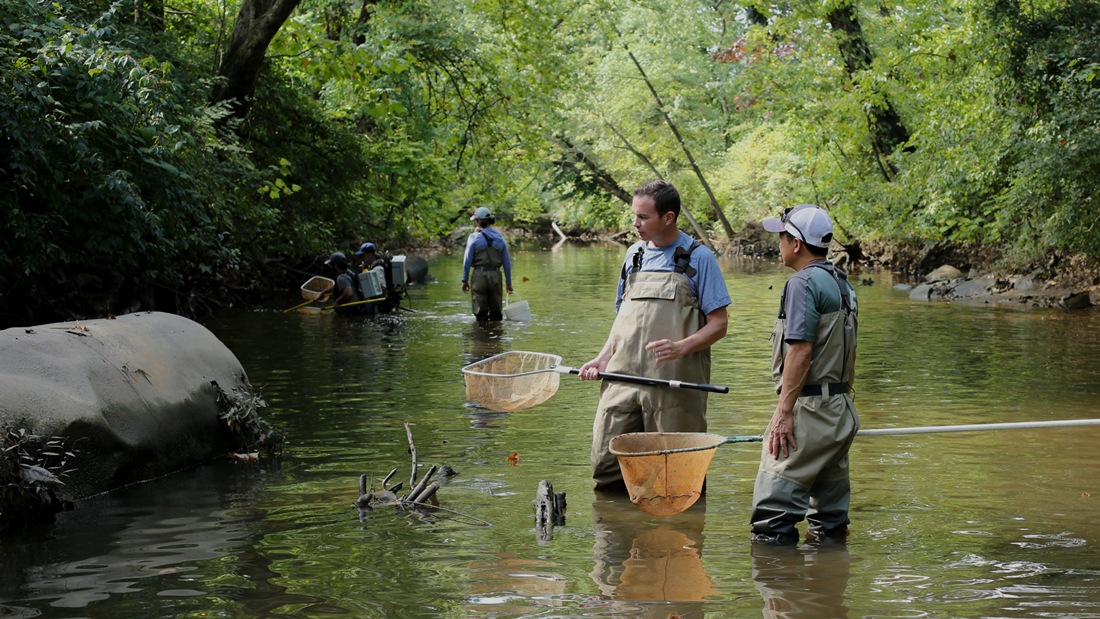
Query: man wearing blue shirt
{"type": "Point", "coordinates": [486, 254]}
{"type": "Point", "coordinates": [671, 306]}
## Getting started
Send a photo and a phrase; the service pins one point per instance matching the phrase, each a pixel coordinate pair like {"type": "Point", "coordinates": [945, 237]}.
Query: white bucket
{"type": "Point", "coordinates": [518, 311]}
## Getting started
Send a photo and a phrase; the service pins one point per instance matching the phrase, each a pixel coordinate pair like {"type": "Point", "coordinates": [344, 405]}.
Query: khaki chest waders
{"type": "Point", "coordinates": [656, 305]}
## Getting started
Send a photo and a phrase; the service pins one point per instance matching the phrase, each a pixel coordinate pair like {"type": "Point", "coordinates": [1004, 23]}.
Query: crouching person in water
{"type": "Point", "coordinates": [346, 289]}
{"type": "Point", "coordinates": [804, 461]}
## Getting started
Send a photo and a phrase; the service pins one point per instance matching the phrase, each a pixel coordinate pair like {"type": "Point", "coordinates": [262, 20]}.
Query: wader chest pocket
{"type": "Point", "coordinates": [653, 291]}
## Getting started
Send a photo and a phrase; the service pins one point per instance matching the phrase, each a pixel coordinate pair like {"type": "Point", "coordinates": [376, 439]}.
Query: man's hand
{"type": "Point", "coordinates": [510, 291]}
{"type": "Point", "coordinates": [592, 369]}
{"type": "Point", "coordinates": [666, 350]}
{"type": "Point", "coordinates": [781, 433]}
{"type": "Point", "coordinates": [796, 364]}
{"type": "Point", "coordinates": [465, 287]}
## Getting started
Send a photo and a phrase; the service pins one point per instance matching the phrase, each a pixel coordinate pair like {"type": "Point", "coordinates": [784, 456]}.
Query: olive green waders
{"type": "Point", "coordinates": [486, 283]}
{"type": "Point", "coordinates": [811, 481]}
{"type": "Point", "coordinates": [656, 305]}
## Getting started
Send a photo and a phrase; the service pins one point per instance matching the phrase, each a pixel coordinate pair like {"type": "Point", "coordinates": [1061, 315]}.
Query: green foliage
{"type": "Point", "coordinates": [101, 158]}
{"type": "Point", "coordinates": [1050, 157]}
{"type": "Point", "coordinates": [391, 121]}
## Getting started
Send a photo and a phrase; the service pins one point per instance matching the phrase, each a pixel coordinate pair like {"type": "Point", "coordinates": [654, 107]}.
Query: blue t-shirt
{"type": "Point", "coordinates": [478, 240]}
{"type": "Point", "coordinates": [708, 285]}
{"type": "Point", "coordinates": [807, 295]}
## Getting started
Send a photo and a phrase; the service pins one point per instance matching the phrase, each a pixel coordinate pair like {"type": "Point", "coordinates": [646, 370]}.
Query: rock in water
{"type": "Point", "coordinates": [133, 394]}
{"type": "Point", "coordinates": [1079, 300]}
{"type": "Point", "coordinates": [944, 272]}
{"type": "Point", "coordinates": [416, 269]}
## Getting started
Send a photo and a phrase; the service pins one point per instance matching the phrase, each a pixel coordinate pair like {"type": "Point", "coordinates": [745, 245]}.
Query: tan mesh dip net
{"type": "Point", "coordinates": [664, 472]}
{"type": "Point", "coordinates": [512, 381]}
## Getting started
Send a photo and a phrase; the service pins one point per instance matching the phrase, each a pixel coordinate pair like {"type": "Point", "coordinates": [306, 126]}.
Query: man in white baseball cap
{"type": "Point", "coordinates": [486, 254]}
{"type": "Point", "coordinates": [804, 461]}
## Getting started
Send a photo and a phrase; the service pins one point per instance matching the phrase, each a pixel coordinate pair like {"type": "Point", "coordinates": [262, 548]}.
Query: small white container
{"type": "Point", "coordinates": [397, 269]}
{"type": "Point", "coordinates": [519, 311]}
{"type": "Point", "coordinates": [370, 282]}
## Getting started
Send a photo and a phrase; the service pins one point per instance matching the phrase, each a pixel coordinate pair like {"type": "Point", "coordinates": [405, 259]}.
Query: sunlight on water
{"type": "Point", "coordinates": [996, 524]}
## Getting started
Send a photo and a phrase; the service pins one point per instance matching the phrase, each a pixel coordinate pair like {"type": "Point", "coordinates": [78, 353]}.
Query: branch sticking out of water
{"type": "Point", "coordinates": [412, 450]}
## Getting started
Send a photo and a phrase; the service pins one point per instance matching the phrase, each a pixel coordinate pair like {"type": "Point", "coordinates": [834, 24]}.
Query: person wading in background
{"type": "Point", "coordinates": [486, 254]}
{"type": "Point", "coordinates": [804, 461]}
{"type": "Point", "coordinates": [671, 303]}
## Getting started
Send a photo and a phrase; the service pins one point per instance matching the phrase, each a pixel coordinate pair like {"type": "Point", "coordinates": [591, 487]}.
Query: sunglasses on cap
{"type": "Point", "coordinates": [786, 218]}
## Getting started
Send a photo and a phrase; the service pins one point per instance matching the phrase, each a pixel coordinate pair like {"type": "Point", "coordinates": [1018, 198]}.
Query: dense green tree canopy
{"type": "Point", "coordinates": [150, 157]}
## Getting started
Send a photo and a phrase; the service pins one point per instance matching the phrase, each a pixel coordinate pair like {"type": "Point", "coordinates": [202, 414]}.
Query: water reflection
{"type": "Point", "coordinates": [129, 545]}
{"type": "Point", "coordinates": [801, 581]}
{"type": "Point", "coordinates": [648, 565]}
{"type": "Point", "coordinates": [483, 340]}
{"type": "Point", "coordinates": [502, 584]}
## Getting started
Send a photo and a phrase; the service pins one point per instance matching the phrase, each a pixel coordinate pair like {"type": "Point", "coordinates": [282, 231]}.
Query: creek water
{"type": "Point", "coordinates": [990, 524]}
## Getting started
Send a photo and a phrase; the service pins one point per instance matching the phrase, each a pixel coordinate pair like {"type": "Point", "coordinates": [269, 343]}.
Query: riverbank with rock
{"type": "Point", "coordinates": [932, 271]}
{"type": "Point", "coordinates": [89, 407]}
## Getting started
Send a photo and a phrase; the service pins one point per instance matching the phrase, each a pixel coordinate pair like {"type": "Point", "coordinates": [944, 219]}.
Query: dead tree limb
{"type": "Point", "coordinates": [427, 494]}
{"type": "Point", "coordinates": [412, 450]}
{"type": "Point", "coordinates": [683, 146]}
{"type": "Point", "coordinates": [549, 511]}
{"type": "Point", "coordinates": [703, 236]}
{"type": "Point", "coordinates": [414, 494]}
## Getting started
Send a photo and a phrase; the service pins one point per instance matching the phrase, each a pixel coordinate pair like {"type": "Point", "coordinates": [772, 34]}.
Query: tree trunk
{"type": "Point", "coordinates": [703, 236]}
{"type": "Point", "coordinates": [361, 27]}
{"type": "Point", "coordinates": [884, 123]}
{"type": "Point", "coordinates": [676, 132]}
{"type": "Point", "coordinates": [149, 13]}
{"type": "Point", "coordinates": [595, 173]}
{"type": "Point", "coordinates": [257, 23]}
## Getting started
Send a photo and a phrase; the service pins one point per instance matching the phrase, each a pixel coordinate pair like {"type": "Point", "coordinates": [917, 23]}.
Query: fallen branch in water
{"type": "Point", "coordinates": [422, 494]}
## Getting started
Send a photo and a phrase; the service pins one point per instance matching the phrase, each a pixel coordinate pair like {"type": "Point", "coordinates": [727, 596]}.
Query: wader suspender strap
{"type": "Point", "coordinates": [355, 284]}
{"type": "Point", "coordinates": [681, 258]}
{"type": "Point", "coordinates": [636, 263]}
{"type": "Point", "coordinates": [489, 244]}
{"type": "Point", "coordinates": [846, 302]}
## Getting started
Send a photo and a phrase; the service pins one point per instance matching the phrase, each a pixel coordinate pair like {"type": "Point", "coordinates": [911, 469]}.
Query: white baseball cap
{"type": "Point", "coordinates": [806, 222]}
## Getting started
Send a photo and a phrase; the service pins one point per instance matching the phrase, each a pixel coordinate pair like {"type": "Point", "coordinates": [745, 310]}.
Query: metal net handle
{"type": "Point", "coordinates": [974, 427]}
